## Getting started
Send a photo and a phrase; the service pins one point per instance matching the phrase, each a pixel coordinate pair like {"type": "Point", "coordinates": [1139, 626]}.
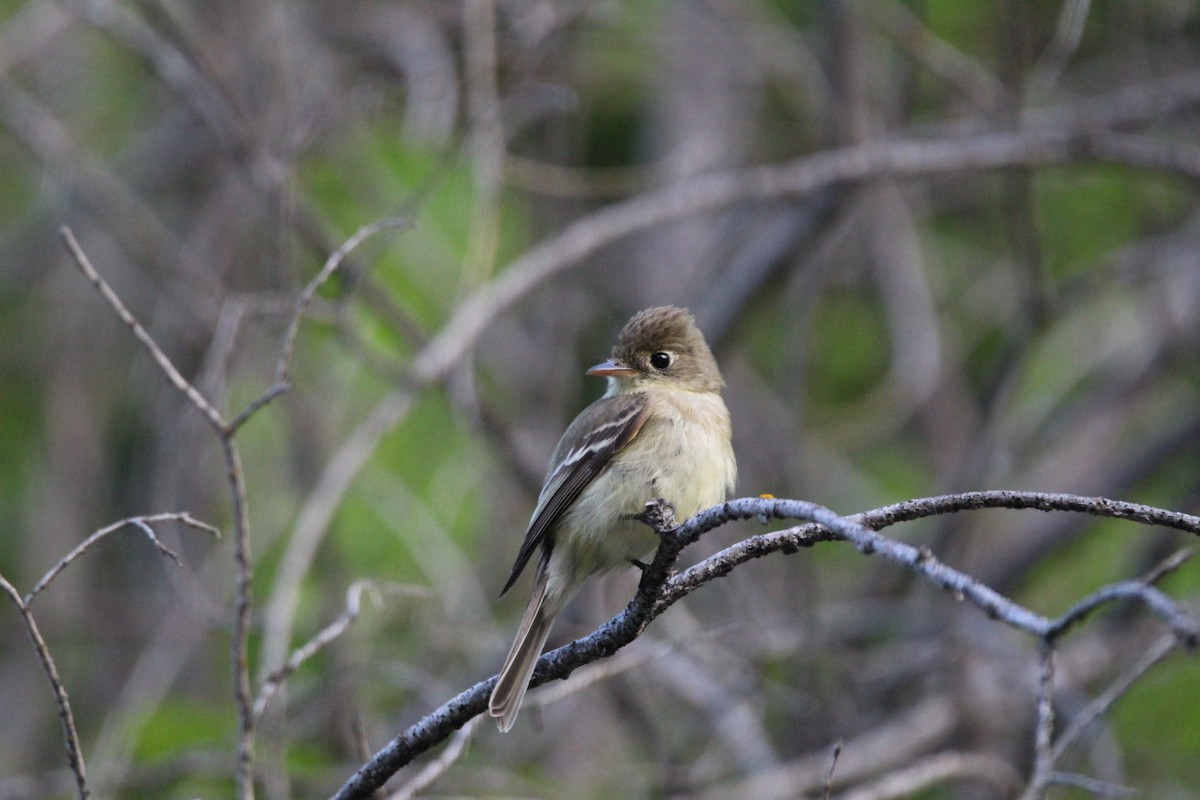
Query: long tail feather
{"type": "Point", "coordinates": [518, 667]}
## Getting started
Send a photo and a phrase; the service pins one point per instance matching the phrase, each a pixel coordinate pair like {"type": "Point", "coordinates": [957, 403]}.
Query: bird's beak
{"type": "Point", "coordinates": [611, 369]}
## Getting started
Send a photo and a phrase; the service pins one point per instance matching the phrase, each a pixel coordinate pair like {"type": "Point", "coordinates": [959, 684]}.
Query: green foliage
{"type": "Point", "coordinates": [1086, 214]}
{"type": "Point", "coordinates": [849, 347]}
{"type": "Point", "coordinates": [180, 725]}
{"type": "Point", "coordinates": [1139, 720]}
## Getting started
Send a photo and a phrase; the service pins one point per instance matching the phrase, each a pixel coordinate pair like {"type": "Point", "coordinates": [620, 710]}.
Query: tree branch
{"type": "Point", "coordinates": [657, 591]}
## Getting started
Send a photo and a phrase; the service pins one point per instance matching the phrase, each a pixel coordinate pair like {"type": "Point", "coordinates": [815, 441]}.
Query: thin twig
{"type": "Point", "coordinates": [66, 717]}
{"type": "Point", "coordinates": [85, 266]}
{"type": "Point", "coordinates": [142, 523]}
{"type": "Point", "coordinates": [239, 650]}
{"type": "Point", "coordinates": [363, 748]}
{"type": "Point", "coordinates": [243, 560]}
{"type": "Point", "coordinates": [833, 761]}
{"type": "Point", "coordinates": [281, 381]}
{"type": "Point", "coordinates": [1167, 566]}
{"type": "Point", "coordinates": [1163, 647]}
{"type": "Point", "coordinates": [1178, 618]}
{"type": "Point", "coordinates": [314, 645]}
{"type": "Point", "coordinates": [941, 768]}
{"type": "Point", "coordinates": [1094, 785]}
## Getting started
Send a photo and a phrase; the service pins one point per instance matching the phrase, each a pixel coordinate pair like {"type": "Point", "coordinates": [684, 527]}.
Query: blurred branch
{"type": "Point", "coordinates": [486, 140]}
{"type": "Point", "coordinates": [938, 769]}
{"type": "Point", "coordinates": [142, 523]}
{"type": "Point", "coordinates": [1055, 136]}
{"type": "Point", "coordinates": [317, 512]}
{"type": "Point", "coordinates": [67, 718]}
{"type": "Point", "coordinates": [889, 744]}
{"type": "Point", "coordinates": [436, 768]}
{"type": "Point", "coordinates": [1068, 33]}
{"type": "Point", "coordinates": [940, 57]}
{"type": "Point", "coordinates": [282, 380]}
{"type": "Point", "coordinates": [239, 648]}
{"type": "Point", "coordinates": [176, 69]}
{"type": "Point", "coordinates": [24, 604]}
{"type": "Point", "coordinates": [658, 590]}
{"type": "Point", "coordinates": [186, 388]}
{"type": "Point", "coordinates": [1161, 648]}
{"type": "Point", "coordinates": [314, 645]}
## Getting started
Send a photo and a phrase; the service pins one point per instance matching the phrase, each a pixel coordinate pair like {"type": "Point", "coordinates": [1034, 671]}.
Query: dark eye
{"type": "Point", "coordinates": [660, 360]}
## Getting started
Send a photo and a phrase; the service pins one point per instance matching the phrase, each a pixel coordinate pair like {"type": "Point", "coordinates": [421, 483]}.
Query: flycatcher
{"type": "Point", "coordinates": [661, 431]}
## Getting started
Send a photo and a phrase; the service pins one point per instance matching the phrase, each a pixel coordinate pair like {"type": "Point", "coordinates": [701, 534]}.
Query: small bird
{"type": "Point", "coordinates": [660, 431]}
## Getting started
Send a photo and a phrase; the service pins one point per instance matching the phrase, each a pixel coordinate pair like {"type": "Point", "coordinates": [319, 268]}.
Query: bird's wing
{"type": "Point", "coordinates": [601, 431]}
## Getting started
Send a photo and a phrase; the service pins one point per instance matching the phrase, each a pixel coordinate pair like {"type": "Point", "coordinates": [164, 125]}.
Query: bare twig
{"type": "Point", "coordinates": [938, 769]}
{"type": "Point", "coordinates": [1097, 787]}
{"type": "Point", "coordinates": [1167, 566]}
{"type": "Point", "coordinates": [240, 645]}
{"type": "Point", "coordinates": [74, 753]}
{"type": "Point", "coordinates": [1161, 648]}
{"type": "Point", "coordinates": [198, 400]}
{"type": "Point", "coordinates": [239, 651]}
{"type": "Point", "coordinates": [1180, 621]}
{"type": "Point", "coordinates": [24, 604]}
{"type": "Point", "coordinates": [314, 645]}
{"type": "Point", "coordinates": [142, 523]}
{"type": "Point", "coordinates": [282, 366]}
{"type": "Point", "coordinates": [833, 760]}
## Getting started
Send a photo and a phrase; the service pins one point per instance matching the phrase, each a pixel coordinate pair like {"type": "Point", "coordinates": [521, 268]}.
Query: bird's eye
{"type": "Point", "coordinates": [660, 360]}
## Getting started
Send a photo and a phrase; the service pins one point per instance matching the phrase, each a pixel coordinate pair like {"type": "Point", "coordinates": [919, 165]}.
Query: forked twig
{"type": "Point", "coordinates": [142, 523]}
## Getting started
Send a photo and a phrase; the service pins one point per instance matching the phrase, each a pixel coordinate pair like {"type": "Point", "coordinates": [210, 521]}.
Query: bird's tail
{"type": "Point", "coordinates": [518, 667]}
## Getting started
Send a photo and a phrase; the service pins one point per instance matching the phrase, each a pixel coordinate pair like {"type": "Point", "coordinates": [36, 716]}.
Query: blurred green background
{"type": "Point", "coordinates": [1035, 327]}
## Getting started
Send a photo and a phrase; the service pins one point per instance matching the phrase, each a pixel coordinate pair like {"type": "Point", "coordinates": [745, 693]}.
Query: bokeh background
{"type": "Point", "coordinates": [1032, 327]}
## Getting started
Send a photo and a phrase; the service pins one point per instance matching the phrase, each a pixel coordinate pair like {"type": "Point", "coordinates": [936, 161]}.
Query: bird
{"type": "Point", "coordinates": [661, 431]}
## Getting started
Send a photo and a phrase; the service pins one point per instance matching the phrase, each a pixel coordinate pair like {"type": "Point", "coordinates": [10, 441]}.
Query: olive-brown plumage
{"type": "Point", "coordinates": [661, 431]}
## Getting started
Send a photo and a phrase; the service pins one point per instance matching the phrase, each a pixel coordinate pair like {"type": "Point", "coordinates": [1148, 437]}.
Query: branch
{"type": "Point", "coordinates": [1052, 135]}
{"type": "Point", "coordinates": [1055, 135]}
{"type": "Point", "coordinates": [85, 266]}
{"type": "Point", "coordinates": [282, 366]}
{"type": "Point", "coordinates": [313, 646]}
{"type": "Point", "coordinates": [24, 607]}
{"type": "Point", "coordinates": [240, 645]}
{"type": "Point", "coordinates": [142, 523]}
{"type": "Point", "coordinates": [790, 540]}
{"type": "Point", "coordinates": [657, 590]}
{"type": "Point", "coordinates": [938, 769]}
{"type": "Point", "coordinates": [74, 754]}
